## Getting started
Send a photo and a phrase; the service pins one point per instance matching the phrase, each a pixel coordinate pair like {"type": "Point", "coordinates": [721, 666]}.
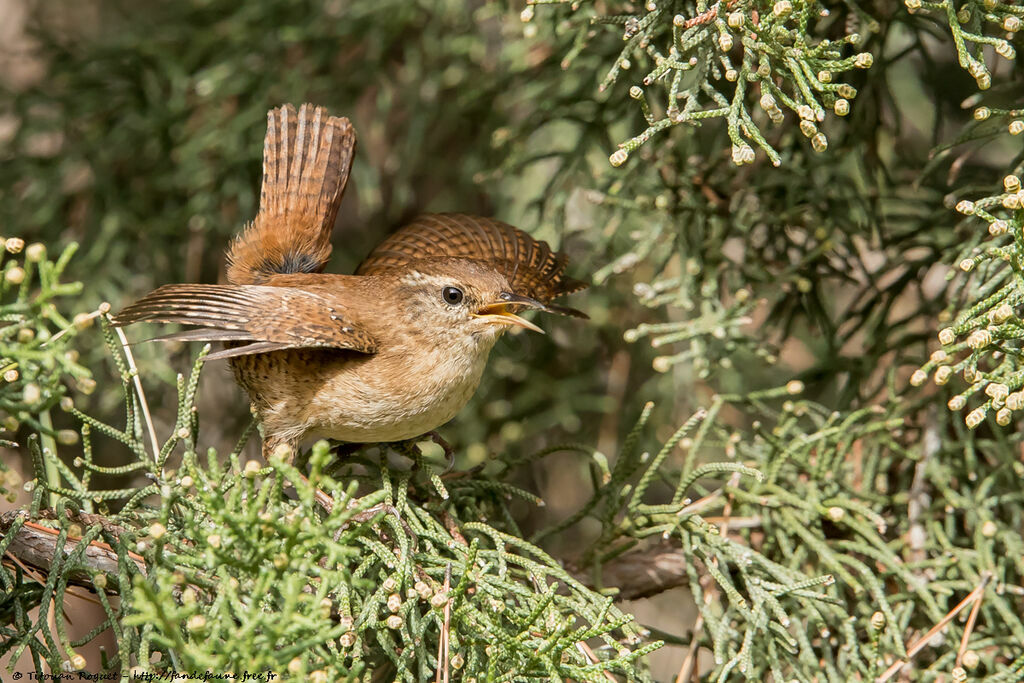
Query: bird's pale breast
{"type": "Point", "coordinates": [390, 396]}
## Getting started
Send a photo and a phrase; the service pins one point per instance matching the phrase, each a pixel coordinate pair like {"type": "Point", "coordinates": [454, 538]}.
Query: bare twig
{"type": "Point", "coordinates": [751, 522]}
{"type": "Point", "coordinates": [969, 628]}
{"type": "Point", "coordinates": [690, 661]}
{"type": "Point", "coordinates": [104, 308]}
{"type": "Point", "coordinates": [591, 658]}
{"type": "Point", "coordinates": [702, 503]}
{"type": "Point", "coordinates": [641, 573]}
{"type": "Point", "coordinates": [857, 455]}
{"type": "Point", "coordinates": [453, 527]}
{"type": "Point", "coordinates": [689, 665]}
{"type": "Point", "coordinates": [137, 381]}
{"type": "Point", "coordinates": [918, 645]}
{"type": "Point", "coordinates": [442, 642]}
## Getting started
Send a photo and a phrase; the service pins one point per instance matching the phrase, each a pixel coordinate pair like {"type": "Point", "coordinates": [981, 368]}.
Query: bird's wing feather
{"type": "Point", "coordinates": [532, 268]}
{"type": "Point", "coordinates": [272, 318]}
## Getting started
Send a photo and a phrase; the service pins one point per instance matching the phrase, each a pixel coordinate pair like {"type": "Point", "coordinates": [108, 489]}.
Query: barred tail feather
{"type": "Point", "coordinates": [307, 156]}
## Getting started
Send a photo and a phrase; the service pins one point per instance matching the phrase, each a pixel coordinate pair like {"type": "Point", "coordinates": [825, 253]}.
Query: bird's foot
{"type": "Point", "coordinates": [369, 513]}
{"type": "Point", "coordinates": [327, 503]}
{"type": "Point", "coordinates": [287, 452]}
{"type": "Point", "coordinates": [321, 498]}
{"type": "Point", "coordinates": [409, 449]}
{"type": "Point", "coordinates": [449, 452]}
{"type": "Point", "coordinates": [343, 449]}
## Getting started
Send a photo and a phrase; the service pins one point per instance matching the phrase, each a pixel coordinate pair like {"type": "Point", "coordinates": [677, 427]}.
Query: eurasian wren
{"type": "Point", "coordinates": [387, 354]}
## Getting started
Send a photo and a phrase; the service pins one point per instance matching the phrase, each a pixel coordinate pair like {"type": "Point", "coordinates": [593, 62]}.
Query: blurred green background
{"type": "Point", "coordinates": [135, 129]}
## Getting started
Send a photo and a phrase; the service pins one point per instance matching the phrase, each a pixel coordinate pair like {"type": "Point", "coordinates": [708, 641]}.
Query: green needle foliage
{"type": "Point", "coordinates": [712, 62]}
{"type": "Point", "coordinates": [765, 196]}
{"type": "Point", "coordinates": [982, 341]}
{"type": "Point", "coordinates": [369, 586]}
{"type": "Point", "coordinates": [970, 24]}
{"type": "Point", "coordinates": [35, 360]}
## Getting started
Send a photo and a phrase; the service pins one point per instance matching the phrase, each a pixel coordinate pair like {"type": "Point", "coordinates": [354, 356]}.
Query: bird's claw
{"type": "Point", "coordinates": [409, 449]}
{"type": "Point", "coordinates": [449, 452]}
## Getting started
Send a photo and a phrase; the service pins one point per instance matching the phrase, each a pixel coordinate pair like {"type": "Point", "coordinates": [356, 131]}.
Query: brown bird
{"type": "Point", "coordinates": [385, 355]}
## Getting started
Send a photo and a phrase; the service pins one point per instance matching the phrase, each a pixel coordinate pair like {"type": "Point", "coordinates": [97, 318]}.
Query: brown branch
{"type": "Point", "coordinates": [972, 618]}
{"type": "Point", "coordinates": [442, 641]}
{"type": "Point", "coordinates": [35, 545]}
{"type": "Point", "coordinates": [640, 573]}
{"type": "Point", "coordinates": [591, 658]}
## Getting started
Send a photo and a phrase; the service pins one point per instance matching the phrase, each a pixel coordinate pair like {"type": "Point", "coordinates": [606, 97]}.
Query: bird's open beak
{"type": "Point", "coordinates": [499, 312]}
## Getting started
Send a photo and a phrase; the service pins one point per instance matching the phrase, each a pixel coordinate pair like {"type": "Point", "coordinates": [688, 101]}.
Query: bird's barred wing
{"type": "Point", "coordinates": [532, 268]}
{"type": "Point", "coordinates": [269, 318]}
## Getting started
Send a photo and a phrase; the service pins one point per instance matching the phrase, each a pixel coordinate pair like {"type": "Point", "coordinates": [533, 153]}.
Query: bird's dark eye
{"type": "Point", "coordinates": [452, 295]}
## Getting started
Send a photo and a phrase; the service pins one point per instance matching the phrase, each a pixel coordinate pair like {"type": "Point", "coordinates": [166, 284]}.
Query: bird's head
{"type": "Point", "coordinates": [456, 298]}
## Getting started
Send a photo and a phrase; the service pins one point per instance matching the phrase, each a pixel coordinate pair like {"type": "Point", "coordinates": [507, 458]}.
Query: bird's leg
{"type": "Point", "coordinates": [344, 449]}
{"type": "Point", "coordinates": [449, 452]}
{"type": "Point", "coordinates": [408, 448]}
{"type": "Point", "coordinates": [370, 513]}
{"type": "Point", "coordinates": [272, 446]}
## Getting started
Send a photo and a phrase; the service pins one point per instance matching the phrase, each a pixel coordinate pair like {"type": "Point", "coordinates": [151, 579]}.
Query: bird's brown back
{"type": "Point", "coordinates": [531, 266]}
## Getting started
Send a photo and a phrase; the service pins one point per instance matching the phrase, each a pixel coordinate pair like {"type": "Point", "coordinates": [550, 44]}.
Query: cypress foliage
{"type": "Point", "coordinates": [798, 398]}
